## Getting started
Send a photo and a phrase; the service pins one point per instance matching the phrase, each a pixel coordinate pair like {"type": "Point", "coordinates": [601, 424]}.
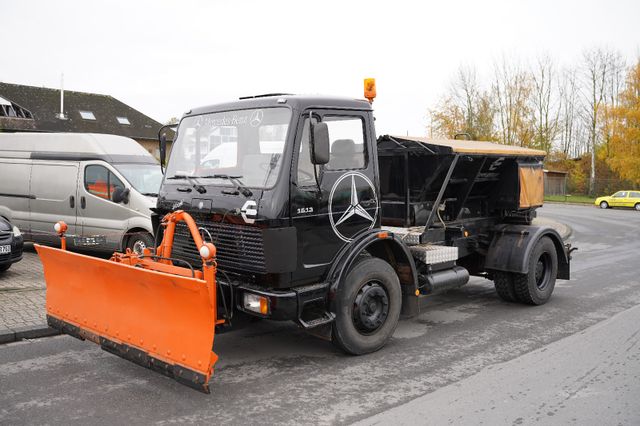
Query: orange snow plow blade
{"type": "Point", "coordinates": [145, 310]}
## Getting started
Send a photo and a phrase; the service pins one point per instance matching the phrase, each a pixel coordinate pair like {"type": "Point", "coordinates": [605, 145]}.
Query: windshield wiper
{"type": "Point", "coordinates": [235, 180]}
{"type": "Point", "coordinates": [150, 194]}
{"type": "Point", "coordinates": [192, 180]}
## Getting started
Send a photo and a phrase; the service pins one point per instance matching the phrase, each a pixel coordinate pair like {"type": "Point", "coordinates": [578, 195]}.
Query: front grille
{"type": "Point", "coordinates": [239, 248]}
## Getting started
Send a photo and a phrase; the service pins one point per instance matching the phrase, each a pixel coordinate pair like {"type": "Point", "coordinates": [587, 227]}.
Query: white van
{"type": "Point", "coordinates": [102, 186]}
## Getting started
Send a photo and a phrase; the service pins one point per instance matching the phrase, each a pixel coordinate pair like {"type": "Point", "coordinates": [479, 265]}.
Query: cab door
{"type": "Point", "coordinates": [99, 216]}
{"type": "Point", "coordinates": [333, 204]}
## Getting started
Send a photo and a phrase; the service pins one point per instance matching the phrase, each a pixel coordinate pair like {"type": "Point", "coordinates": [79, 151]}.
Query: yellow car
{"type": "Point", "coordinates": [620, 199]}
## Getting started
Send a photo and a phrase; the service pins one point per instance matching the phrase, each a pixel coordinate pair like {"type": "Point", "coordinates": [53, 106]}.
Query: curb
{"type": "Point", "coordinates": [27, 332]}
{"type": "Point", "coordinates": [569, 203]}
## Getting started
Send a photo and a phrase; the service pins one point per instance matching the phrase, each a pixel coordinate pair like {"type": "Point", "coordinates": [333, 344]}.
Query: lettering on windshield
{"type": "Point", "coordinates": [226, 120]}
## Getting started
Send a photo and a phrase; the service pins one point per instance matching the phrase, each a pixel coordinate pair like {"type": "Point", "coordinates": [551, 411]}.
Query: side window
{"type": "Point", "coordinates": [635, 195]}
{"type": "Point", "coordinates": [305, 167]}
{"type": "Point", "coordinates": [101, 182]}
{"type": "Point", "coordinates": [114, 183]}
{"type": "Point", "coordinates": [620, 194]}
{"type": "Point", "coordinates": [347, 149]}
{"type": "Point", "coordinates": [346, 136]}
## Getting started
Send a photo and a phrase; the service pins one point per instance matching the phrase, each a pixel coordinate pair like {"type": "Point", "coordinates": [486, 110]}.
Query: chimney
{"type": "Point", "coordinates": [61, 115]}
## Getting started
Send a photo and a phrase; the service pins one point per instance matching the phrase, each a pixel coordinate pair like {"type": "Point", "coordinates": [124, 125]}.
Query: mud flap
{"type": "Point", "coordinates": [160, 321]}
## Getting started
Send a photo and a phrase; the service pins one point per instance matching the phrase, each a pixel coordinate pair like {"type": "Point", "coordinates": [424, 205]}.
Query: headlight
{"type": "Point", "coordinates": [16, 232]}
{"type": "Point", "coordinates": [256, 303]}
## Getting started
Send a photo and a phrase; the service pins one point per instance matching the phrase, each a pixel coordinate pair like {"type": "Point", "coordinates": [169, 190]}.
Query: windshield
{"type": "Point", "coordinates": [145, 178]}
{"type": "Point", "coordinates": [247, 144]}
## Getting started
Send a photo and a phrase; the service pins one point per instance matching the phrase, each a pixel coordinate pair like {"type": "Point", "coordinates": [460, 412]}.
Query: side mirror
{"type": "Point", "coordinates": [163, 148]}
{"type": "Point", "coordinates": [319, 143]}
{"type": "Point", "coordinates": [162, 141]}
{"type": "Point", "coordinates": [120, 195]}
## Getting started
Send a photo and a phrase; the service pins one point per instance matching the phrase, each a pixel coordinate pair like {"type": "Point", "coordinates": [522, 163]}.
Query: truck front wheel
{"type": "Point", "coordinates": [536, 286]}
{"type": "Point", "coordinates": [367, 307]}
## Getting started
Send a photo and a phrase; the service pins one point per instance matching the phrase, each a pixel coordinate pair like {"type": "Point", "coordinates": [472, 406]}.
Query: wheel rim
{"type": "Point", "coordinates": [370, 308]}
{"type": "Point", "coordinates": [139, 246]}
{"type": "Point", "coordinates": [638, 206]}
{"type": "Point", "coordinates": [603, 205]}
{"type": "Point", "coordinates": [543, 271]}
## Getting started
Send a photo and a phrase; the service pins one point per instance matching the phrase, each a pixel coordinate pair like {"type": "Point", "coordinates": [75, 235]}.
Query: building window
{"type": "Point", "coordinates": [9, 109]}
{"type": "Point", "coordinates": [87, 115]}
{"type": "Point", "coordinates": [123, 120]}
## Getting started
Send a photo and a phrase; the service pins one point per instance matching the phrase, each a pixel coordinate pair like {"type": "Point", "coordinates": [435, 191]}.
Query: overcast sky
{"type": "Point", "coordinates": [165, 57]}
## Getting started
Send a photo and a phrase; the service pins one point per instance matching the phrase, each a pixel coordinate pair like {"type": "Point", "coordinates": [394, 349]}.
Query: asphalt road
{"type": "Point", "coordinates": [274, 373]}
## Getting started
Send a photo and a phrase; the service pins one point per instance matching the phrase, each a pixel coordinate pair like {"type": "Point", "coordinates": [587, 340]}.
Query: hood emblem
{"type": "Point", "coordinates": [249, 211]}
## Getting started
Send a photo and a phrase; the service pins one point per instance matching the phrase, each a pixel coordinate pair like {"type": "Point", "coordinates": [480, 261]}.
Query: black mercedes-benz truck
{"type": "Point", "coordinates": [317, 221]}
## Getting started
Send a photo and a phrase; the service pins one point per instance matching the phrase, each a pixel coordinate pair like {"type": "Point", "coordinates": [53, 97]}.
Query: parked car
{"type": "Point", "coordinates": [10, 244]}
{"type": "Point", "coordinates": [102, 186]}
{"type": "Point", "coordinates": [620, 199]}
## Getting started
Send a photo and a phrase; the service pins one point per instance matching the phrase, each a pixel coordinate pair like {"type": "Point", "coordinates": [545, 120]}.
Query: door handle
{"type": "Point", "coordinates": [72, 201]}
{"type": "Point", "coordinates": [183, 189]}
{"type": "Point", "coordinates": [83, 202]}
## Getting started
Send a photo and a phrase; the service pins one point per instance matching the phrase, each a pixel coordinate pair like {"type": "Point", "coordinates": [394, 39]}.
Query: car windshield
{"type": "Point", "coordinates": [247, 144]}
{"type": "Point", "coordinates": [145, 178]}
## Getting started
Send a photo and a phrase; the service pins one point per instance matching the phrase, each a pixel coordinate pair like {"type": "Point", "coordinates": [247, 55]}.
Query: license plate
{"type": "Point", "coordinates": [92, 241]}
{"type": "Point", "coordinates": [5, 249]}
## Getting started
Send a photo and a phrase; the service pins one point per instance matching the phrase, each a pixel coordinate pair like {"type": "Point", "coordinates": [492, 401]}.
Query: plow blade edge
{"type": "Point", "coordinates": [161, 321]}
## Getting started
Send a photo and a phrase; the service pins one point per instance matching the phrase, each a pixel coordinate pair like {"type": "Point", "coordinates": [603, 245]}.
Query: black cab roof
{"type": "Point", "coordinates": [296, 102]}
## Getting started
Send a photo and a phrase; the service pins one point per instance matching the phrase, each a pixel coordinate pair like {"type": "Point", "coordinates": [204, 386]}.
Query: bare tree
{"type": "Point", "coordinates": [613, 86]}
{"type": "Point", "coordinates": [545, 104]}
{"type": "Point", "coordinates": [511, 92]}
{"type": "Point", "coordinates": [466, 108]}
{"type": "Point", "coordinates": [596, 64]}
{"type": "Point", "coordinates": [570, 134]}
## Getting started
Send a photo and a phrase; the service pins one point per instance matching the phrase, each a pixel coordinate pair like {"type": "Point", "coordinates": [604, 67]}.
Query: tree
{"type": "Point", "coordinates": [571, 133]}
{"type": "Point", "coordinates": [545, 111]}
{"type": "Point", "coordinates": [624, 145]}
{"type": "Point", "coordinates": [466, 108]}
{"type": "Point", "coordinates": [511, 92]}
{"type": "Point", "coordinates": [596, 67]}
{"type": "Point", "coordinates": [613, 85]}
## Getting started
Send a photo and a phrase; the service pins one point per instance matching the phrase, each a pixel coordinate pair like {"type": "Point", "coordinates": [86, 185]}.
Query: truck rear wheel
{"type": "Point", "coordinates": [504, 286]}
{"type": "Point", "coordinates": [536, 286]}
{"type": "Point", "coordinates": [367, 307]}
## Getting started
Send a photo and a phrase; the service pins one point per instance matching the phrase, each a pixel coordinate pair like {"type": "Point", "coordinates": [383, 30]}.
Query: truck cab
{"type": "Point", "coordinates": [249, 163]}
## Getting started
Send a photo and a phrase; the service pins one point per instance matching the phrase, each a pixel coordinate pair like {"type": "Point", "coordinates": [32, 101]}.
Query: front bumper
{"type": "Point", "coordinates": [283, 305]}
{"type": "Point", "coordinates": [17, 244]}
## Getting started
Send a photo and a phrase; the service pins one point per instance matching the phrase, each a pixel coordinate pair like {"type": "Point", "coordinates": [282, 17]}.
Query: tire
{"type": "Point", "coordinates": [139, 240]}
{"type": "Point", "coordinates": [504, 286]}
{"type": "Point", "coordinates": [536, 286]}
{"type": "Point", "coordinates": [5, 267]}
{"type": "Point", "coordinates": [367, 307]}
{"type": "Point", "coordinates": [604, 205]}
{"type": "Point", "coordinates": [637, 207]}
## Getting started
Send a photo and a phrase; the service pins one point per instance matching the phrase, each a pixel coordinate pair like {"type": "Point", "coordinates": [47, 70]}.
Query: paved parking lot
{"type": "Point", "coordinates": [22, 293]}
